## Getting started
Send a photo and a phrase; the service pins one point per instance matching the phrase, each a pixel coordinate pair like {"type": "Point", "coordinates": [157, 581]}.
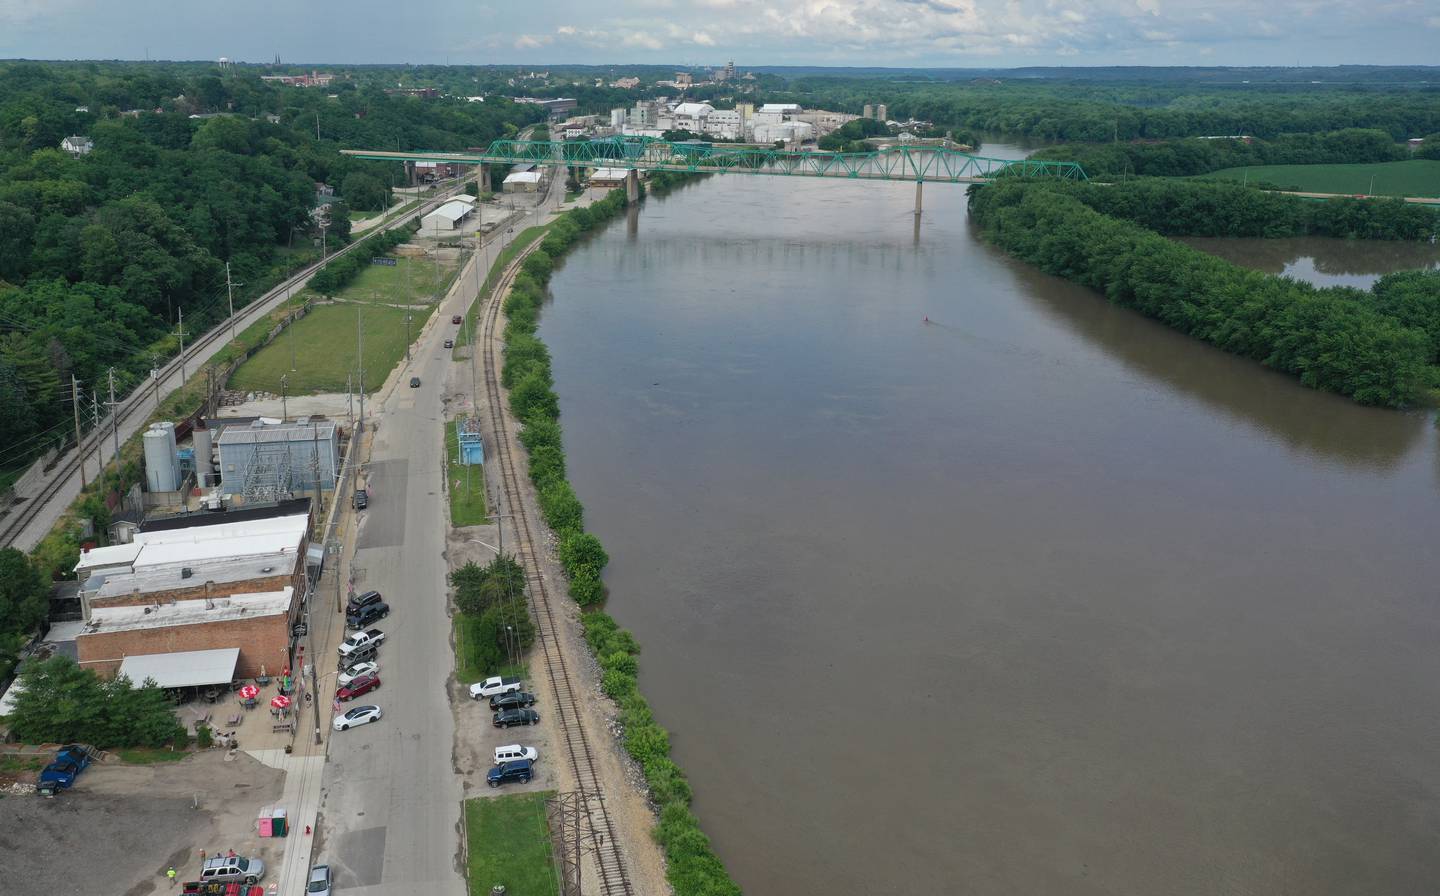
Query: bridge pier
{"type": "Point", "coordinates": [632, 186]}
{"type": "Point", "coordinates": [919, 196]}
{"type": "Point", "coordinates": [483, 178]}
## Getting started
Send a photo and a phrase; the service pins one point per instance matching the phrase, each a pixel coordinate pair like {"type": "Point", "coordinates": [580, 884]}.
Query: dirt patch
{"type": "Point", "coordinates": [121, 826]}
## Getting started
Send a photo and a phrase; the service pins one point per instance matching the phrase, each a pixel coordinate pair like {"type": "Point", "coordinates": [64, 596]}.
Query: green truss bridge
{"type": "Point", "coordinates": [901, 163]}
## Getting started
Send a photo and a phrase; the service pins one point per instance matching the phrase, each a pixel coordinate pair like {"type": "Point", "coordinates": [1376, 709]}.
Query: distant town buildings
{"type": "Point", "coordinates": [314, 79]}
{"type": "Point", "coordinates": [555, 107]}
{"type": "Point", "coordinates": [625, 83]}
{"type": "Point", "coordinates": [426, 93]}
{"type": "Point", "coordinates": [772, 122]}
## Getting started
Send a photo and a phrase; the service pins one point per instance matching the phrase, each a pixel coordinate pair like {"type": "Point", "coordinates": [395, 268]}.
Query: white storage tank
{"type": "Point", "coordinates": [204, 457]}
{"type": "Point", "coordinates": [162, 465]}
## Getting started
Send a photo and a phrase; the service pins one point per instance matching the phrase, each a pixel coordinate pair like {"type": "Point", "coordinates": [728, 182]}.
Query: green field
{"type": "Point", "coordinates": [412, 281]}
{"type": "Point", "coordinates": [508, 840]}
{"type": "Point", "coordinates": [323, 344]}
{"type": "Point", "coordinates": [1414, 177]}
{"type": "Point", "coordinates": [467, 501]}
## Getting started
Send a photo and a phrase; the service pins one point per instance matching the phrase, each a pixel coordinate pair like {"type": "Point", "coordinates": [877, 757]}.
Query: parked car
{"type": "Point", "coordinates": [366, 615]}
{"type": "Point", "coordinates": [319, 883]}
{"type": "Point", "coordinates": [511, 717]}
{"type": "Point", "coordinates": [372, 637]}
{"type": "Point", "coordinates": [492, 686]}
{"type": "Point", "coordinates": [455, 318]}
{"type": "Point", "coordinates": [414, 382]}
{"type": "Point", "coordinates": [367, 654]}
{"type": "Point", "coordinates": [362, 600]}
{"type": "Point", "coordinates": [512, 700]}
{"type": "Point", "coordinates": [222, 869]}
{"type": "Point", "coordinates": [62, 771]}
{"type": "Point", "coordinates": [511, 752]}
{"type": "Point", "coordinates": [515, 770]}
{"type": "Point", "coordinates": [361, 499]}
{"type": "Point", "coordinates": [357, 687]}
{"type": "Point", "coordinates": [350, 673]}
{"type": "Point", "coordinates": [360, 715]}
{"type": "Point", "coordinates": [449, 343]}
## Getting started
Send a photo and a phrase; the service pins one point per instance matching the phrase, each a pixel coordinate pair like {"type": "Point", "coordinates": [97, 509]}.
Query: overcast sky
{"type": "Point", "coordinates": [960, 33]}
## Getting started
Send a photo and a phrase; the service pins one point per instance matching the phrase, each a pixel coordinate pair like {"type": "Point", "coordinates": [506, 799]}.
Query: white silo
{"type": "Point", "coordinates": [162, 466]}
{"type": "Point", "coordinates": [204, 457]}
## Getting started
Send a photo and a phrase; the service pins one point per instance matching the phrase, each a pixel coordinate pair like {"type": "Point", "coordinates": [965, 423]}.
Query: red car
{"type": "Point", "coordinates": [362, 685]}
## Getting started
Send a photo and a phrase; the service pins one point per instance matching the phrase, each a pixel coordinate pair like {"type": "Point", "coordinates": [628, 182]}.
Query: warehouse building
{"type": "Point", "coordinates": [448, 216]}
{"type": "Point", "coordinates": [522, 182]}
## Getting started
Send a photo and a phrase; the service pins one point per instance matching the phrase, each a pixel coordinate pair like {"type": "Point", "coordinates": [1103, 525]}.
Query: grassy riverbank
{"type": "Point", "coordinates": [692, 867]}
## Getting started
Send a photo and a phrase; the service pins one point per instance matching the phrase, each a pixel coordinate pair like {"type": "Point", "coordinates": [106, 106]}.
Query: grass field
{"type": "Point", "coordinates": [522, 241]}
{"type": "Point", "coordinates": [467, 503]}
{"type": "Point", "coordinates": [1413, 177]}
{"type": "Point", "coordinates": [468, 668]}
{"type": "Point", "coordinates": [324, 350]}
{"type": "Point", "coordinates": [412, 281]}
{"type": "Point", "coordinates": [148, 756]}
{"type": "Point", "coordinates": [508, 841]}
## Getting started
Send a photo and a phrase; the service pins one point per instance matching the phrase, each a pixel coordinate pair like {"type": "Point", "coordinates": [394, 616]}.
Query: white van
{"type": "Point", "coordinates": [513, 752]}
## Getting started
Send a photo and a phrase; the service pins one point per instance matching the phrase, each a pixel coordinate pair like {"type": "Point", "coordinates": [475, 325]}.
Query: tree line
{"type": "Point", "coordinates": [1354, 342]}
{"type": "Point", "coordinates": [1188, 157]}
{"type": "Point", "coordinates": [101, 253]}
{"type": "Point", "coordinates": [692, 867]}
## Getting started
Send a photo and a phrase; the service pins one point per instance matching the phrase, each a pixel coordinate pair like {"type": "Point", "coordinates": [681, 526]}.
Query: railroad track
{"type": "Point", "coordinates": [19, 517]}
{"type": "Point", "coordinates": [614, 880]}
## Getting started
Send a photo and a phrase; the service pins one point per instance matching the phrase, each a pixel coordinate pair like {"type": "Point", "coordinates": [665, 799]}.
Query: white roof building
{"type": "Point", "coordinates": [523, 177]}
{"type": "Point", "coordinates": [190, 668]}
{"type": "Point", "coordinates": [446, 217]}
{"type": "Point", "coordinates": [188, 612]}
{"type": "Point", "coordinates": [781, 108]}
{"type": "Point", "coordinates": [693, 110]}
{"type": "Point", "coordinates": [279, 536]}
{"type": "Point", "coordinates": [77, 145]}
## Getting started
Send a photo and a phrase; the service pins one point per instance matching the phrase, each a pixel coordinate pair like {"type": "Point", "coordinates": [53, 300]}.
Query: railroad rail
{"type": "Point", "coordinates": [20, 516]}
{"type": "Point", "coordinates": [614, 880]}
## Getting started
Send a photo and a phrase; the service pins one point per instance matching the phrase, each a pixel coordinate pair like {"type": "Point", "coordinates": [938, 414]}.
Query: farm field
{"type": "Point", "coordinates": [1413, 177]}
{"type": "Point", "coordinates": [324, 349]}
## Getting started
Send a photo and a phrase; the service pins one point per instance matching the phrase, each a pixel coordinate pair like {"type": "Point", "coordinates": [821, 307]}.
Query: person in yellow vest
{"type": "Point", "coordinates": [170, 873]}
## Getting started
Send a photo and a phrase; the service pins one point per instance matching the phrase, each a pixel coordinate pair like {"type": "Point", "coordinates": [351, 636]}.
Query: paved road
{"type": "Point", "coordinates": [391, 804]}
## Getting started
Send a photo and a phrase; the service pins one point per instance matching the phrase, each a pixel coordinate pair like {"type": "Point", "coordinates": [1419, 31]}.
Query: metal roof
{"type": "Point", "coordinates": [187, 669]}
{"type": "Point", "coordinates": [523, 177]}
{"type": "Point", "coordinates": [453, 210]}
{"type": "Point", "coordinates": [188, 612]}
{"type": "Point", "coordinates": [321, 430]}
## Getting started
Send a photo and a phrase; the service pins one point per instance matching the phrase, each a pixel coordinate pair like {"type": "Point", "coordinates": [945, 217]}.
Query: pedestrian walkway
{"type": "Point", "coordinates": [301, 801]}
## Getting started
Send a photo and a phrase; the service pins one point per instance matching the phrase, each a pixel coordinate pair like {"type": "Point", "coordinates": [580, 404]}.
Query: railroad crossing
{"type": "Point", "coordinates": [635, 154]}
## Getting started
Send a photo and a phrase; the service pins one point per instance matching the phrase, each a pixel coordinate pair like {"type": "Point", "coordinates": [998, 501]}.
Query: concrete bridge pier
{"type": "Point", "coordinates": [483, 177]}
{"type": "Point", "coordinates": [919, 196]}
{"type": "Point", "coordinates": [632, 186]}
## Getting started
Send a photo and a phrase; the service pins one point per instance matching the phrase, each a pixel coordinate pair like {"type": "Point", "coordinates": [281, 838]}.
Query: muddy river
{"type": "Point", "coordinates": [953, 578]}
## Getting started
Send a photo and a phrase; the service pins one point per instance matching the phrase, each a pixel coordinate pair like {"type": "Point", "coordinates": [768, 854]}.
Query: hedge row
{"type": "Point", "coordinates": [337, 273]}
{"type": "Point", "coordinates": [1333, 339]}
{"type": "Point", "coordinates": [692, 866]}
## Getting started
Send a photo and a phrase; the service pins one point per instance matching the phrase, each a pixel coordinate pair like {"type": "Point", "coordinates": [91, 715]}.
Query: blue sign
{"type": "Point", "coordinates": [388, 262]}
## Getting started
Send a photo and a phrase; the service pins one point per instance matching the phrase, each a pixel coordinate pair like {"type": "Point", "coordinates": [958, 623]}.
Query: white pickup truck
{"type": "Point", "coordinates": [492, 687]}
{"type": "Point", "coordinates": [361, 641]}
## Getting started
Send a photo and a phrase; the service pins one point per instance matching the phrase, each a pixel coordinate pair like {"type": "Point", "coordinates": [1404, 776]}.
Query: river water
{"type": "Point", "coordinates": [1035, 597]}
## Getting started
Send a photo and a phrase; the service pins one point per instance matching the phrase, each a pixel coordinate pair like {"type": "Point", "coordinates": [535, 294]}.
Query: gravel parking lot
{"type": "Point", "coordinates": [477, 737]}
{"type": "Point", "coordinates": [121, 826]}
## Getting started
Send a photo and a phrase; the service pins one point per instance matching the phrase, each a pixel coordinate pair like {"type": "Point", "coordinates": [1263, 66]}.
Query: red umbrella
{"type": "Point", "coordinates": [249, 692]}
{"type": "Point", "coordinates": [279, 701]}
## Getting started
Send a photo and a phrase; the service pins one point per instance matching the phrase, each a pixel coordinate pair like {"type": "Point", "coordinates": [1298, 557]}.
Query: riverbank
{"type": "Point", "coordinates": [691, 865]}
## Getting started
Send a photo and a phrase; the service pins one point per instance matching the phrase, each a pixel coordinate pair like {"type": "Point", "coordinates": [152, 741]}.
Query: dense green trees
{"type": "Point", "coordinates": [1340, 340]}
{"type": "Point", "coordinates": [99, 254]}
{"type": "Point", "coordinates": [493, 597]}
{"type": "Point", "coordinates": [61, 702]}
{"type": "Point", "coordinates": [1186, 157]}
{"type": "Point", "coordinates": [850, 136]}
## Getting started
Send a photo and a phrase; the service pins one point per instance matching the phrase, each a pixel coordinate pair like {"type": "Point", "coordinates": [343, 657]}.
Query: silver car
{"type": "Point", "coordinates": [319, 884]}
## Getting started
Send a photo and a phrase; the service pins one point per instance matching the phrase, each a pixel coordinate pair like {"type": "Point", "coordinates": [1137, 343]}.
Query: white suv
{"type": "Point", "coordinates": [513, 752]}
{"type": "Point", "coordinates": [224, 869]}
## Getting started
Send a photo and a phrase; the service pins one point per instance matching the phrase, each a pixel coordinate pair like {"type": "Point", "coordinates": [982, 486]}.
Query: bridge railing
{"type": "Point", "coordinates": [903, 162]}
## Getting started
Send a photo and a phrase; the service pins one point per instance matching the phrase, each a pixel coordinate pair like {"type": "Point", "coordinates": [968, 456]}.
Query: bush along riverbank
{"type": "Point", "coordinates": [1336, 339]}
{"type": "Point", "coordinates": [693, 869]}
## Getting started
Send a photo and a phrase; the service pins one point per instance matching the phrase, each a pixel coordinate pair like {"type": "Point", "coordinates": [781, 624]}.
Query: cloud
{"type": "Point", "coordinates": [532, 41]}
{"type": "Point", "coordinates": [703, 39]}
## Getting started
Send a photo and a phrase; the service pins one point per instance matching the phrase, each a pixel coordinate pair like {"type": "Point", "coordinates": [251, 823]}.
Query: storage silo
{"type": "Point", "coordinates": [162, 467]}
{"type": "Point", "coordinates": [204, 457]}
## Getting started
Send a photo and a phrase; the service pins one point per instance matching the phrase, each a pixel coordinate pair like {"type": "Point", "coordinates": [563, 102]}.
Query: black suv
{"type": "Point", "coordinates": [361, 499]}
{"type": "Point", "coordinates": [367, 614]}
{"type": "Point", "coordinates": [360, 601]}
{"type": "Point", "coordinates": [511, 717]}
{"type": "Point", "coordinates": [515, 770]}
{"type": "Point", "coordinates": [512, 700]}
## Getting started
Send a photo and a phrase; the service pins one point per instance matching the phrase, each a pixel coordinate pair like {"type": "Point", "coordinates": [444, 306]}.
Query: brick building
{"type": "Point", "coordinates": [234, 579]}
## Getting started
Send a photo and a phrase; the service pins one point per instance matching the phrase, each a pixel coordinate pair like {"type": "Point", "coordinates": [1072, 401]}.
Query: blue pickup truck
{"type": "Point", "coordinates": [67, 765]}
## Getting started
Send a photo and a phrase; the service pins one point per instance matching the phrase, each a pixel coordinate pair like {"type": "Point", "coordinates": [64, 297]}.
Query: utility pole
{"type": "Point", "coordinates": [350, 398]}
{"type": "Point", "coordinates": [230, 290]}
{"type": "Point", "coordinates": [284, 396]}
{"type": "Point", "coordinates": [75, 403]}
{"type": "Point", "coordinates": [359, 377]}
{"type": "Point", "coordinates": [407, 337]}
{"type": "Point", "coordinates": [99, 439]}
{"type": "Point", "coordinates": [180, 331]}
{"type": "Point", "coordinates": [290, 328]}
{"type": "Point", "coordinates": [114, 418]}
{"type": "Point", "coordinates": [155, 376]}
